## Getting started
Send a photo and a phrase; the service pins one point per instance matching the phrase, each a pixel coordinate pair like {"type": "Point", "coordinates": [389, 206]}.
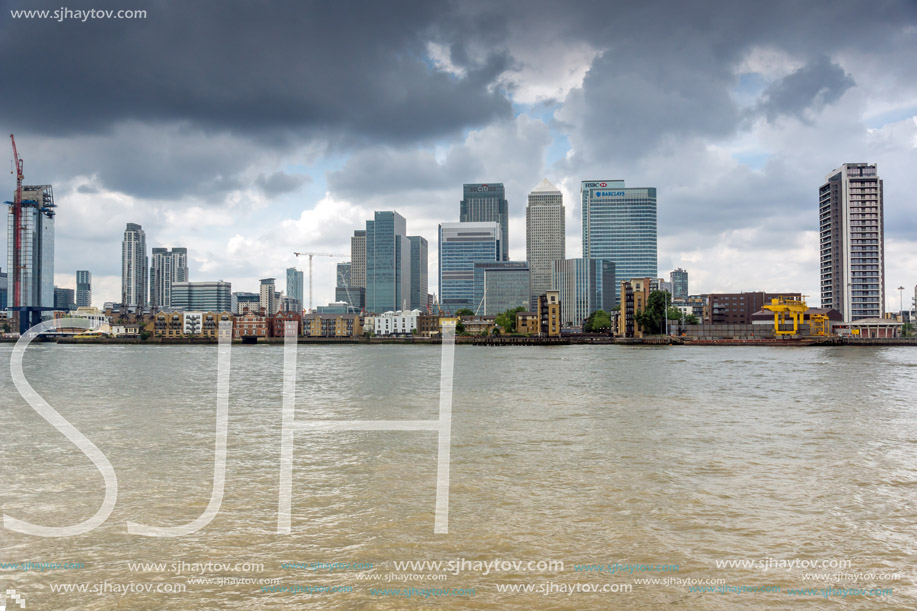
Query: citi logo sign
{"type": "Point", "coordinates": [609, 193]}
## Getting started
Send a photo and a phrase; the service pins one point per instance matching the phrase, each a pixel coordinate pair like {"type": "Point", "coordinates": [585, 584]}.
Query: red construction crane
{"type": "Point", "coordinates": [17, 226]}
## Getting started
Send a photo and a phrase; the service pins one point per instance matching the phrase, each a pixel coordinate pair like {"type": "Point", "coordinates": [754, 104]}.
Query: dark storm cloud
{"type": "Point", "coordinates": [336, 70]}
{"type": "Point", "coordinates": [810, 88]}
{"type": "Point", "coordinates": [279, 183]}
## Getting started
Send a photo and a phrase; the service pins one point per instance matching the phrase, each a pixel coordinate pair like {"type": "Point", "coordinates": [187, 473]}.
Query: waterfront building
{"type": "Point", "coordinates": [635, 294]}
{"type": "Point", "coordinates": [401, 322]}
{"type": "Point", "coordinates": [250, 326]}
{"type": "Point", "coordinates": [500, 286]}
{"type": "Point", "coordinates": [486, 203]}
{"type": "Point", "coordinates": [852, 242]}
{"type": "Point", "coordinates": [167, 267]}
{"type": "Point", "coordinates": [584, 286]}
{"type": "Point", "coordinates": [213, 296]}
{"type": "Point", "coordinates": [679, 280]}
{"type": "Point", "coordinates": [332, 325]}
{"type": "Point", "coordinates": [545, 240]}
{"type": "Point", "coordinates": [461, 245]}
{"type": "Point", "coordinates": [388, 262]}
{"type": "Point", "coordinates": [737, 308]}
{"type": "Point", "coordinates": [279, 320]}
{"type": "Point", "coordinates": [358, 259]}
{"type": "Point", "coordinates": [619, 225]}
{"type": "Point", "coordinates": [419, 271]}
{"type": "Point", "coordinates": [549, 313]}
{"type": "Point", "coordinates": [295, 285]}
{"type": "Point", "coordinates": [134, 267]}
{"type": "Point", "coordinates": [169, 324]}
{"type": "Point", "coordinates": [527, 323]}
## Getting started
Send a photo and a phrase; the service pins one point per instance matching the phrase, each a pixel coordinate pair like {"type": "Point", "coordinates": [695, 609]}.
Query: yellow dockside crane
{"type": "Point", "coordinates": [796, 309]}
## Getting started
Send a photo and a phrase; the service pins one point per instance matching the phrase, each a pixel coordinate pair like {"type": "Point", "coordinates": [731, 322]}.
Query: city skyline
{"type": "Point", "coordinates": [733, 162]}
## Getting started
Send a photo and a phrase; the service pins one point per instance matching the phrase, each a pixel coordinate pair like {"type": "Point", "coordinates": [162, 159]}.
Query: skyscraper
{"type": "Point", "coordinates": [388, 263]}
{"type": "Point", "coordinates": [358, 258]}
{"type": "Point", "coordinates": [619, 225]}
{"type": "Point", "coordinates": [268, 296]}
{"type": "Point", "coordinates": [679, 280]}
{"type": "Point", "coordinates": [342, 277]}
{"type": "Point", "coordinates": [31, 265]}
{"type": "Point", "coordinates": [461, 245]}
{"type": "Point", "coordinates": [83, 288]}
{"type": "Point", "coordinates": [167, 266]}
{"type": "Point", "coordinates": [500, 286]}
{"type": "Point", "coordinates": [134, 267]}
{"type": "Point", "coordinates": [419, 272]}
{"type": "Point", "coordinates": [544, 236]}
{"type": "Point", "coordinates": [484, 203]}
{"type": "Point", "coordinates": [585, 286]}
{"type": "Point", "coordinates": [294, 283]}
{"type": "Point", "coordinates": [852, 242]}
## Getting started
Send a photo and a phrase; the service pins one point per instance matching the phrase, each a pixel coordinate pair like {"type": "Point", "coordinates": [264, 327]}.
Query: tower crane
{"type": "Point", "coordinates": [310, 255]}
{"type": "Point", "coordinates": [17, 225]}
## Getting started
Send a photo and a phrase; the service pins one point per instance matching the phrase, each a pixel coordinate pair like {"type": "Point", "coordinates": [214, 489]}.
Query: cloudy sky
{"type": "Point", "coordinates": [247, 130]}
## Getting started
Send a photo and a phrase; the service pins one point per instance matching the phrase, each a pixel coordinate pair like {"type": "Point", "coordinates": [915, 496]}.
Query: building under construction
{"type": "Point", "coordinates": [30, 250]}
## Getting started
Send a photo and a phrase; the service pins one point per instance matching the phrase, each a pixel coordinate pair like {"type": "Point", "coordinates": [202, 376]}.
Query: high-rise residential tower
{"type": "Point", "coordinates": [83, 288]}
{"type": "Point", "coordinates": [619, 225]}
{"type": "Point", "coordinates": [679, 280]}
{"type": "Point", "coordinates": [268, 297]}
{"type": "Point", "coordinates": [419, 271]}
{"type": "Point", "coordinates": [484, 203]}
{"type": "Point", "coordinates": [166, 266]}
{"type": "Point", "coordinates": [388, 263]}
{"type": "Point", "coordinates": [544, 236]}
{"type": "Point", "coordinates": [461, 245]}
{"type": "Point", "coordinates": [852, 242]}
{"type": "Point", "coordinates": [134, 267]}
{"type": "Point", "coordinates": [31, 266]}
{"type": "Point", "coordinates": [294, 283]}
{"type": "Point", "coordinates": [358, 258]}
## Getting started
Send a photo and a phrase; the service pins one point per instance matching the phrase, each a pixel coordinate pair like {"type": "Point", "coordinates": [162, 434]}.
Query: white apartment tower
{"type": "Point", "coordinates": [134, 267]}
{"type": "Point", "coordinates": [544, 236]}
{"type": "Point", "coordinates": [852, 242]}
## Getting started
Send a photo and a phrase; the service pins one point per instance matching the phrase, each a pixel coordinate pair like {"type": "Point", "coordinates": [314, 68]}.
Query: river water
{"type": "Point", "coordinates": [677, 463]}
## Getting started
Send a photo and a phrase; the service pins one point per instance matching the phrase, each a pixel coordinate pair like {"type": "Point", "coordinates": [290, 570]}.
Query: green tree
{"type": "Point", "coordinates": [691, 319]}
{"type": "Point", "coordinates": [598, 322]}
{"type": "Point", "coordinates": [675, 313]}
{"type": "Point", "coordinates": [459, 328]}
{"type": "Point", "coordinates": [464, 312]}
{"type": "Point", "coordinates": [652, 317]}
{"type": "Point", "coordinates": [507, 319]}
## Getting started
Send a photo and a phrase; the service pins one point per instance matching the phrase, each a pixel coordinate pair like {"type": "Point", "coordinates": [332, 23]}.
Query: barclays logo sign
{"type": "Point", "coordinates": [609, 193]}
